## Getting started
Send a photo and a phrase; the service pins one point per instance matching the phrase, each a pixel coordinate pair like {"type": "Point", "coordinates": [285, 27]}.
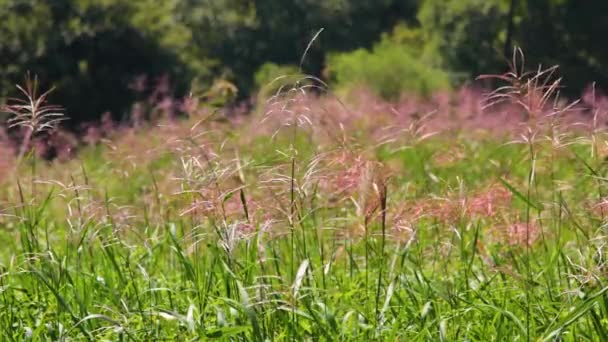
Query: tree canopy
{"type": "Point", "coordinates": [92, 50]}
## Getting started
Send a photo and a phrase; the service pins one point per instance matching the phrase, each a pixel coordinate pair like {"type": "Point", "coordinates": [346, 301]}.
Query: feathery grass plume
{"type": "Point", "coordinates": [486, 203]}
{"type": "Point", "coordinates": [342, 174]}
{"type": "Point", "coordinates": [536, 92]}
{"type": "Point", "coordinates": [530, 92]}
{"type": "Point", "coordinates": [600, 208]}
{"type": "Point", "coordinates": [289, 105]}
{"type": "Point", "coordinates": [521, 233]}
{"type": "Point", "coordinates": [595, 102]}
{"type": "Point", "coordinates": [449, 157]}
{"type": "Point", "coordinates": [32, 113]}
{"type": "Point", "coordinates": [489, 202]}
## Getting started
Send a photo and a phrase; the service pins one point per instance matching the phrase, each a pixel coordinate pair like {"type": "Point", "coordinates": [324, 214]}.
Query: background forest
{"type": "Point", "coordinates": [89, 49]}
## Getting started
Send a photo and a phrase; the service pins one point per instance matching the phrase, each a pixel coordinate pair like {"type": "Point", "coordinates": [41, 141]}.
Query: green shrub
{"type": "Point", "coordinates": [271, 77]}
{"type": "Point", "coordinates": [394, 66]}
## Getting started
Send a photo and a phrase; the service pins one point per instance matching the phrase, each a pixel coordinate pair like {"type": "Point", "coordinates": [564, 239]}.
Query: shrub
{"type": "Point", "coordinates": [400, 63]}
{"type": "Point", "coordinates": [271, 77]}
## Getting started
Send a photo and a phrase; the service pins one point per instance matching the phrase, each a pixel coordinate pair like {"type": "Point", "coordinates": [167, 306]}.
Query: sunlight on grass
{"type": "Point", "coordinates": [292, 226]}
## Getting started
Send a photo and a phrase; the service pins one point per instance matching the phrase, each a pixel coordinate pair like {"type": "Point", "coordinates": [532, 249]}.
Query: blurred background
{"type": "Point", "coordinates": [104, 56]}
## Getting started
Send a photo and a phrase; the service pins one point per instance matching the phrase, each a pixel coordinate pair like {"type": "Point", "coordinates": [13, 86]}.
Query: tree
{"type": "Point", "coordinates": [476, 36]}
{"type": "Point", "coordinates": [245, 34]}
{"type": "Point", "coordinates": [467, 34]}
{"type": "Point", "coordinates": [92, 50]}
{"type": "Point", "coordinates": [567, 33]}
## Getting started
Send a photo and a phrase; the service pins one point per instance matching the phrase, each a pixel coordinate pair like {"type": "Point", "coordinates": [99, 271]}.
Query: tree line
{"type": "Point", "coordinates": [92, 51]}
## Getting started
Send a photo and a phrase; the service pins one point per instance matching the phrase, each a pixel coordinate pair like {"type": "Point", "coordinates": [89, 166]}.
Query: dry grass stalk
{"type": "Point", "coordinates": [32, 113]}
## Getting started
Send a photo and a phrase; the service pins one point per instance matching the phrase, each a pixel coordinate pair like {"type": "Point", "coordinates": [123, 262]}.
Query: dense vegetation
{"type": "Point", "coordinates": [312, 221]}
{"type": "Point", "coordinates": [89, 49]}
{"type": "Point", "coordinates": [362, 191]}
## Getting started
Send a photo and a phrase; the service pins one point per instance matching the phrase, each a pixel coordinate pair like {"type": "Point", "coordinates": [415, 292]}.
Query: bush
{"type": "Point", "coordinates": [271, 77]}
{"type": "Point", "coordinates": [390, 70]}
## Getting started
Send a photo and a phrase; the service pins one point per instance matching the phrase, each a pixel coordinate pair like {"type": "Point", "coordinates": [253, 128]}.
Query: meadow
{"type": "Point", "coordinates": [463, 217]}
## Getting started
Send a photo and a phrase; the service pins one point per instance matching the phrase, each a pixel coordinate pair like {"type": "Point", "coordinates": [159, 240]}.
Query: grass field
{"type": "Point", "coordinates": [291, 226]}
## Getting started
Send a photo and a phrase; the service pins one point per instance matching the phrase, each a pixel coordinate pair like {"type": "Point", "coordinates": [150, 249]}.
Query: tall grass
{"type": "Point", "coordinates": [319, 230]}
